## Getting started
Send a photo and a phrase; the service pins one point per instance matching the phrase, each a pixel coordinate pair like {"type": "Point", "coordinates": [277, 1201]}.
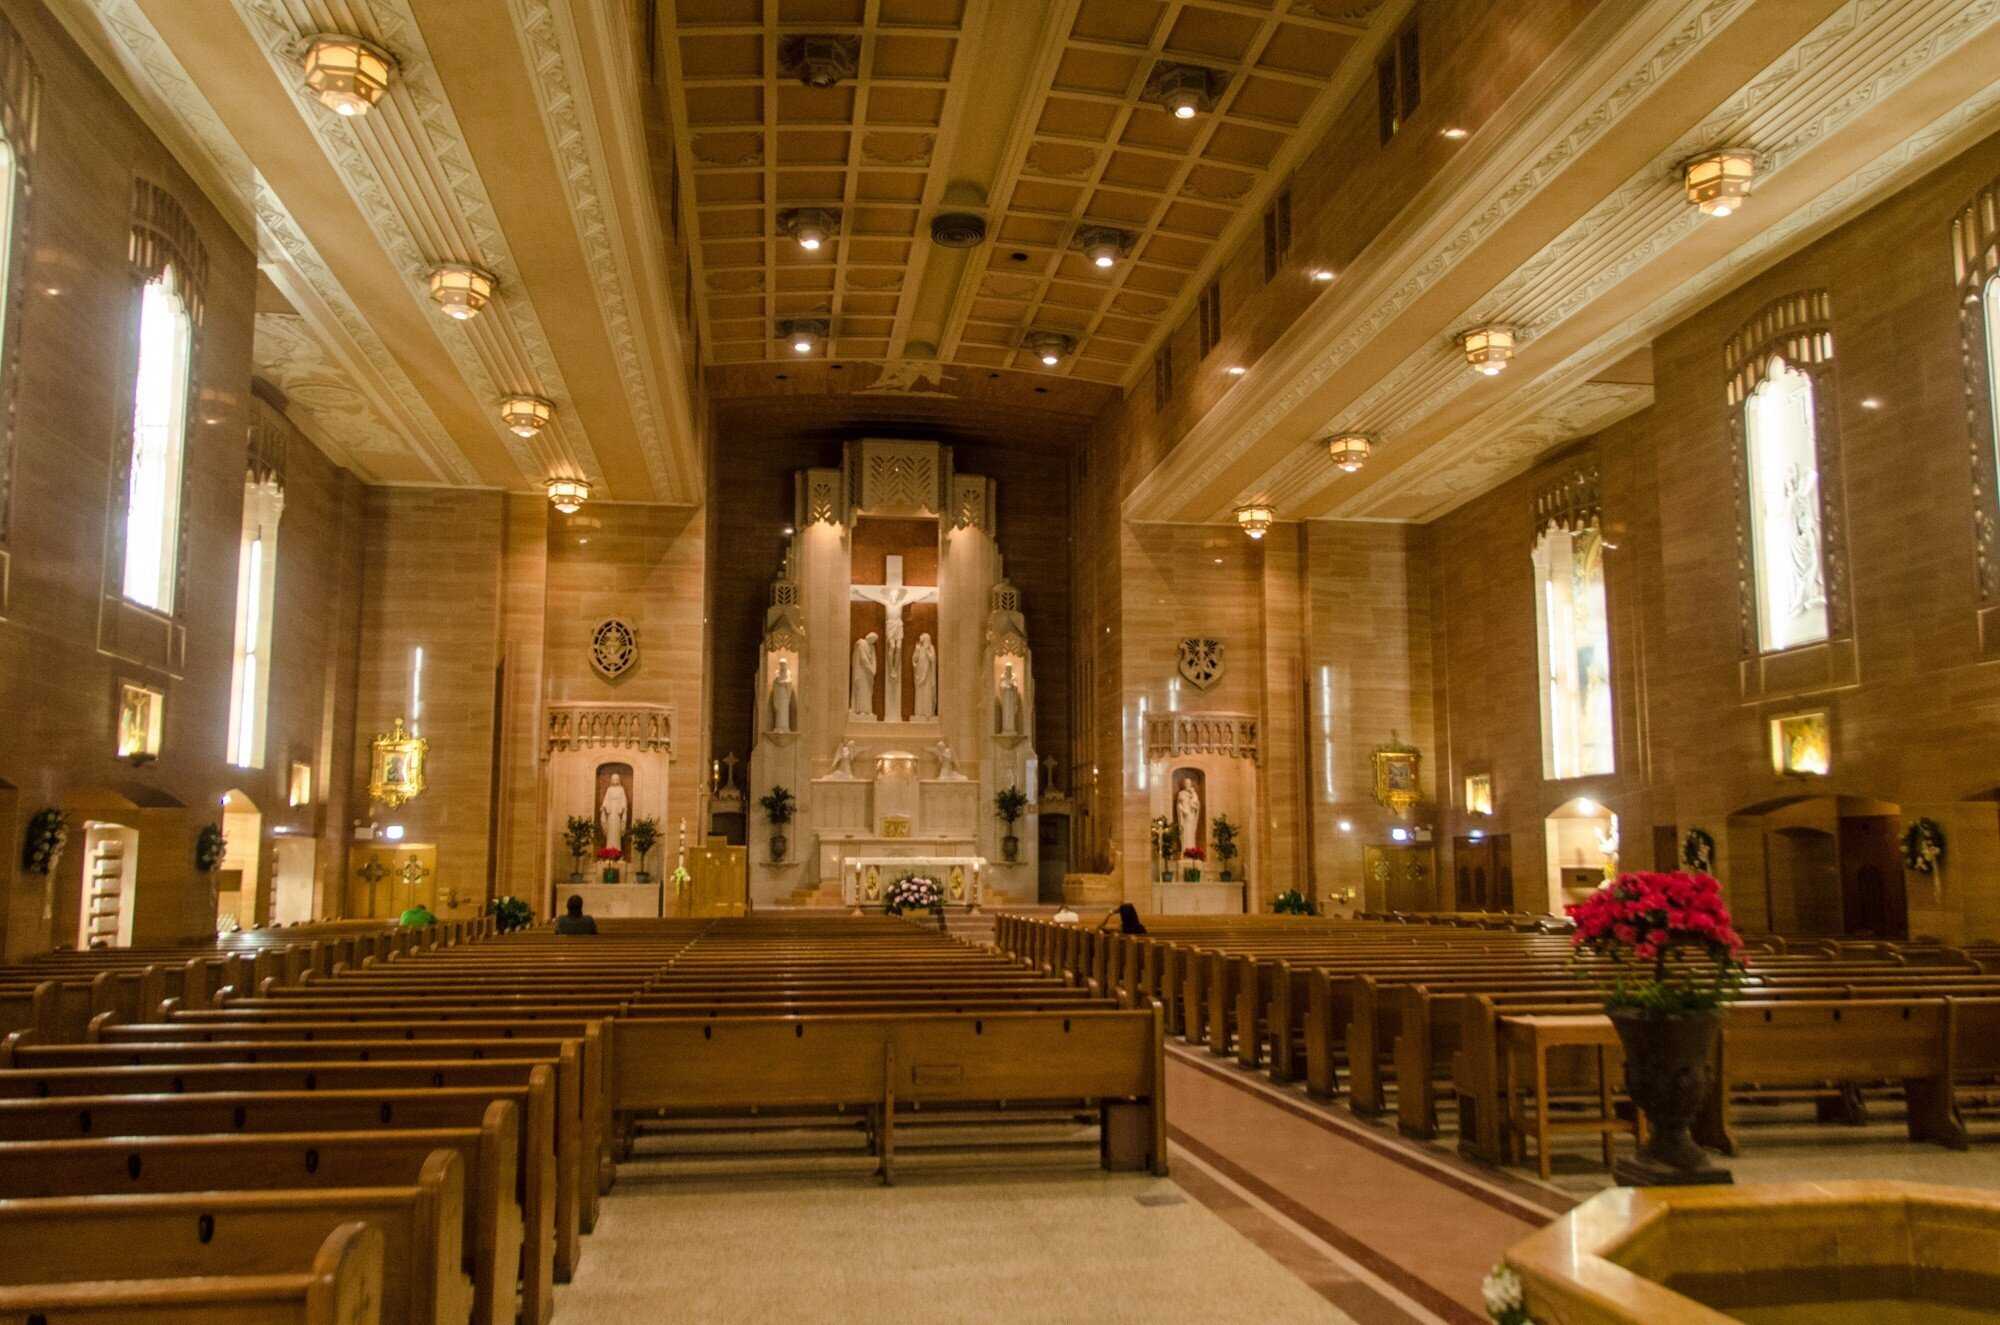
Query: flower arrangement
{"type": "Point", "coordinates": [1009, 804]}
{"type": "Point", "coordinates": [1506, 1296]}
{"type": "Point", "coordinates": [1166, 841]}
{"type": "Point", "coordinates": [510, 912]}
{"type": "Point", "coordinates": [1292, 902]}
{"type": "Point", "coordinates": [1671, 942]}
{"type": "Point", "coordinates": [680, 879]}
{"type": "Point", "coordinates": [913, 892]}
{"type": "Point", "coordinates": [48, 834]}
{"type": "Point", "coordinates": [1195, 853]}
{"type": "Point", "coordinates": [1698, 851]}
{"type": "Point", "coordinates": [778, 806]}
{"type": "Point", "coordinates": [1923, 847]}
{"type": "Point", "coordinates": [610, 855]}
{"type": "Point", "coordinates": [1194, 856]}
{"type": "Point", "coordinates": [209, 848]}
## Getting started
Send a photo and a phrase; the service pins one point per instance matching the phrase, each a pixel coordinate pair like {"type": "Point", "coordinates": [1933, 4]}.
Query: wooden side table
{"type": "Point", "coordinates": [1525, 1043]}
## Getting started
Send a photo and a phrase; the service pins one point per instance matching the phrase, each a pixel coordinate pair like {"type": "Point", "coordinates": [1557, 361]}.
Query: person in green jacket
{"type": "Point", "coordinates": [418, 916]}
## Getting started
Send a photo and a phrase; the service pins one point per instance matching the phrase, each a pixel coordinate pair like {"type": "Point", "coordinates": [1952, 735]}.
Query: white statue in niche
{"type": "Point", "coordinates": [861, 685]}
{"type": "Point", "coordinates": [782, 698]}
{"type": "Point", "coordinates": [1187, 813]}
{"type": "Point", "coordinates": [1010, 702]}
{"type": "Point", "coordinates": [843, 762]}
{"type": "Point", "coordinates": [614, 813]}
{"type": "Point", "coordinates": [947, 763]}
{"type": "Point", "coordinates": [923, 669]}
{"type": "Point", "coordinates": [1607, 846]}
{"type": "Point", "coordinates": [1808, 575]}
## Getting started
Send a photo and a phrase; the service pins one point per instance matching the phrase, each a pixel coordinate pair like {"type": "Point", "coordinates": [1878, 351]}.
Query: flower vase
{"type": "Point", "coordinates": [611, 874]}
{"type": "Point", "coordinates": [1669, 1072]}
{"type": "Point", "coordinates": [1010, 848]}
{"type": "Point", "coordinates": [1191, 874]}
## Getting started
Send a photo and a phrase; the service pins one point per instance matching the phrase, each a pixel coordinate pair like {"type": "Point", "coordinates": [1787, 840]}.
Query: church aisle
{"type": "Point", "coordinates": [1387, 1231]}
{"type": "Point", "coordinates": [960, 1246]}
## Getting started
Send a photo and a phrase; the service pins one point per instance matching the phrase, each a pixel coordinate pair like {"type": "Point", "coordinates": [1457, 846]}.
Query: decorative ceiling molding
{"type": "Point", "coordinates": [409, 171]}
{"type": "Point", "coordinates": [339, 418]}
{"type": "Point", "coordinates": [176, 109]}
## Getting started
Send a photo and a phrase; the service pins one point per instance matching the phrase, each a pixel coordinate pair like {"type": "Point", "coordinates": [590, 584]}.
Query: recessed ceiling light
{"type": "Point", "coordinates": [788, 531]}
{"type": "Point", "coordinates": [1237, 370]}
{"type": "Point", "coordinates": [1455, 133]}
{"type": "Point", "coordinates": [1322, 275]}
{"type": "Point", "coordinates": [1869, 402]}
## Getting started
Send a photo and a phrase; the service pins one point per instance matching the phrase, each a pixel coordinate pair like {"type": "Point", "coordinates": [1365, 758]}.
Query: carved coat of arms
{"type": "Point", "coordinates": [614, 647]}
{"type": "Point", "coordinates": [1201, 662]}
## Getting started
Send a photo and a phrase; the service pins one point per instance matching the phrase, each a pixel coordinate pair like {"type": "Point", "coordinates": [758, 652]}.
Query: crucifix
{"type": "Point", "coordinates": [894, 596]}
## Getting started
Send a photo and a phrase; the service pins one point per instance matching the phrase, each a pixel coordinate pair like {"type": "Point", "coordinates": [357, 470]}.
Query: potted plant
{"type": "Point", "coordinates": [579, 836]}
{"type": "Point", "coordinates": [210, 846]}
{"type": "Point", "coordinates": [1191, 872]}
{"type": "Point", "coordinates": [778, 808]}
{"type": "Point", "coordinates": [1224, 833]}
{"type": "Point", "coordinates": [1167, 842]}
{"type": "Point", "coordinates": [511, 912]}
{"type": "Point", "coordinates": [913, 892]}
{"type": "Point", "coordinates": [1010, 804]}
{"type": "Point", "coordinates": [644, 835]}
{"type": "Point", "coordinates": [608, 858]}
{"type": "Point", "coordinates": [1292, 902]}
{"type": "Point", "coordinates": [1673, 953]}
{"type": "Point", "coordinates": [48, 834]}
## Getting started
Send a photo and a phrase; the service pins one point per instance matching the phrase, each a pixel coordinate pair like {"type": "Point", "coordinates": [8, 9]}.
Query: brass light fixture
{"type": "Point", "coordinates": [1350, 450]}
{"type": "Point", "coordinates": [1103, 244]}
{"type": "Point", "coordinates": [809, 227]}
{"type": "Point", "coordinates": [1048, 346]}
{"type": "Point", "coordinates": [804, 334]}
{"type": "Point", "coordinates": [1254, 519]}
{"type": "Point", "coordinates": [568, 494]}
{"type": "Point", "coordinates": [526, 415]}
{"type": "Point", "coordinates": [346, 74]}
{"type": "Point", "coordinates": [1487, 348]}
{"type": "Point", "coordinates": [461, 289]}
{"type": "Point", "coordinates": [1186, 90]}
{"type": "Point", "coordinates": [1718, 182]}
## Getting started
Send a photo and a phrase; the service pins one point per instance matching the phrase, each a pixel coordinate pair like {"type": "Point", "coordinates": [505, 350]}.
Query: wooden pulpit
{"type": "Point", "coordinates": [718, 881]}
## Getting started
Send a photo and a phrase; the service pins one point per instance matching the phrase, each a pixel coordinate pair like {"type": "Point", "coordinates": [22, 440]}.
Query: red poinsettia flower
{"type": "Point", "coordinates": [1195, 853]}
{"type": "Point", "coordinates": [610, 853]}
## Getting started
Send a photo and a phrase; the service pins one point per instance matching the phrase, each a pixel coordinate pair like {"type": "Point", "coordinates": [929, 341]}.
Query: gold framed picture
{"type": "Point", "coordinates": [141, 716]}
{"type": "Point", "coordinates": [396, 768]}
{"type": "Point", "coordinates": [1397, 768]}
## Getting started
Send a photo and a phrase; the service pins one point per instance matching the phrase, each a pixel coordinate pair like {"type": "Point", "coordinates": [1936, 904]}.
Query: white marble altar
{"type": "Point", "coordinates": [613, 901]}
{"type": "Point", "coordinates": [1197, 899]}
{"type": "Point", "coordinates": [863, 878]}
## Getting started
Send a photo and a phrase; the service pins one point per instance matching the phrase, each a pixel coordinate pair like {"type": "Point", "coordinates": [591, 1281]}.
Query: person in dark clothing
{"type": "Point", "coordinates": [574, 921]}
{"type": "Point", "coordinates": [1127, 916]}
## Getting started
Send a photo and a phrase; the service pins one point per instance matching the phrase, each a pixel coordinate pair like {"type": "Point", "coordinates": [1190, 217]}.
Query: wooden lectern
{"type": "Point", "coordinates": [717, 884]}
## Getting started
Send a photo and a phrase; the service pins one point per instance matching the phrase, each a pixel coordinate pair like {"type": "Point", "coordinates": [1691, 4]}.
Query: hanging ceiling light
{"type": "Point", "coordinates": [804, 334]}
{"type": "Point", "coordinates": [1350, 450]}
{"type": "Point", "coordinates": [809, 227]}
{"type": "Point", "coordinates": [526, 415]}
{"type": "Point", "coordinates": [1717, 182]}
{"type": "Point", "coordinates": [568, 494]}
{"type": "Point", "coordinates": [346, 74]}
{"type": "Point", "coordinates": [1048, 346]}
{"type": "Point", "coordinates": [1186, 90]}
{"type": "Point", "coordinates": [461, 289]}
{"type": "Point", "coordinates": [1487, 348]}
{"type": "Point", "coordinates": [1102, 244]}
{"type": "Point", "coordinates": [1254, 519]}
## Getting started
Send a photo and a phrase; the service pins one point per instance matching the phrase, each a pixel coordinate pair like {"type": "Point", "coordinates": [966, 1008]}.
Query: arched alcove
{"type": "Point", "coordinates": [239, 895]}
{"type": "Point", "coordinates": [1582, 838]}
{"type": "Point", "coordinates": [1825, 865]}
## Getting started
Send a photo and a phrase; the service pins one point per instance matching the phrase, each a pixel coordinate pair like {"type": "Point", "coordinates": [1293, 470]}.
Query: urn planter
{"type": "Point", "coordinates": [1010, 847]}
{"type": "Point", "coordinates": [1669, 1070]}
{"type": "Point", "coordinates": [778, 847]}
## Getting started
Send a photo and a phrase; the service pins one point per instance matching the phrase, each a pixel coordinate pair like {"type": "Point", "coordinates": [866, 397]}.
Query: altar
{"type": "Point", "coordinates": [1197, 899]}
{"type": "Point", "coordinates": [865, 878]}
{"type": "Point", "coordinates": [612, 901]}
{"type": "Point", "coordinates": [895, 691]}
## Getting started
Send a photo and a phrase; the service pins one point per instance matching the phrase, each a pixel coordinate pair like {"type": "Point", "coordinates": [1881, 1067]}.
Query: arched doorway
{"type": "Point", "coordinates": [237, 882]}
{"type": "Point", "coordinates": [1582, 839]}
{"type": "Point", "coordinates": [1820, 866]}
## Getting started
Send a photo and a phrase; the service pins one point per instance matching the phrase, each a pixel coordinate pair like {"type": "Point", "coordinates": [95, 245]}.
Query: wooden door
{"type": "Point", "coordinates": [1873, 904]}
{"type": "Point", "coordinates": [385, 881]}
{"type": "Point", "coordinates": [1400, 878]}
{"type": "Point", "coordinates": [1483, 873]}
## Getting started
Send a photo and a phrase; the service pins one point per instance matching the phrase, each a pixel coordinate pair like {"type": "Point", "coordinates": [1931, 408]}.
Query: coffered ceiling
{"type": "Point", "coordinates": [510, 138]}
{"type": "Point", "coordinates": [1030, 115]}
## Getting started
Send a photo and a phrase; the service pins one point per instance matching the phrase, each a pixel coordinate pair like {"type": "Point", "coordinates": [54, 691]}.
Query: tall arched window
{"type": "Point", "coordinates": [159, 440]}
{"type": "Point", "coordinates": [1783, 462]}
{"type": "Point", "coordinates": [20, 98]}
{"type": "Point", "coordinates": [1573, 630]}
{"type": "Point", "coordinates": [1975, 251]}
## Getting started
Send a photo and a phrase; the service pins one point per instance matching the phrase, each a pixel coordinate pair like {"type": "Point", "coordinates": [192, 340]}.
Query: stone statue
{"type": "Point", "coordinates": [1010, 702]}
{"type": "Point", "coordinates": [892, 671]}
{"type": "Point", "coordinates": [1187, 813]}
{"type": "Point", "coordinates": [843, 761]}
{"type": "Point", "coordinates": [947, 763]}
{"type": "Point", "coordinates": [894, 595]}
{"type": "Point", "coordinates": [861, 685]}
{"type": "Point", "coordinates": [923, 669]}
{"type": "Point", "coordinates": [781, 698]}
{"type": "Point", "coordinates": [614, 812]}
{"type": "Point", "coordinates": [1607, 844]}
{"type": "Point", "coordinates": [1808, 575]}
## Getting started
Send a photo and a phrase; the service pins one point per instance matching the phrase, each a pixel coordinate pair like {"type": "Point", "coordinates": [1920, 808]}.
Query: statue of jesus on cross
{"type": "Point", "coordinates": [894, 596]}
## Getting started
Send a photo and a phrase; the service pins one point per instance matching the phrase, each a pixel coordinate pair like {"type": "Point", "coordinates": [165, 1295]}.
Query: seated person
{"type": "Point", "coordinates": [1127, 916]}
{"type": "Point", "coordinates": [574, 921]}
{"type": "Point", "coordinates": [417, 916]}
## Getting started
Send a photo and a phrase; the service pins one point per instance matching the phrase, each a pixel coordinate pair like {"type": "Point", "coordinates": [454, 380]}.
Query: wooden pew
{"type": "Point", "coordinates": [165, 1236]}
{"type": "Point", "coordinates": [492, 1238]}
{"type": "Point", "coordinates": [342, 1285]}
